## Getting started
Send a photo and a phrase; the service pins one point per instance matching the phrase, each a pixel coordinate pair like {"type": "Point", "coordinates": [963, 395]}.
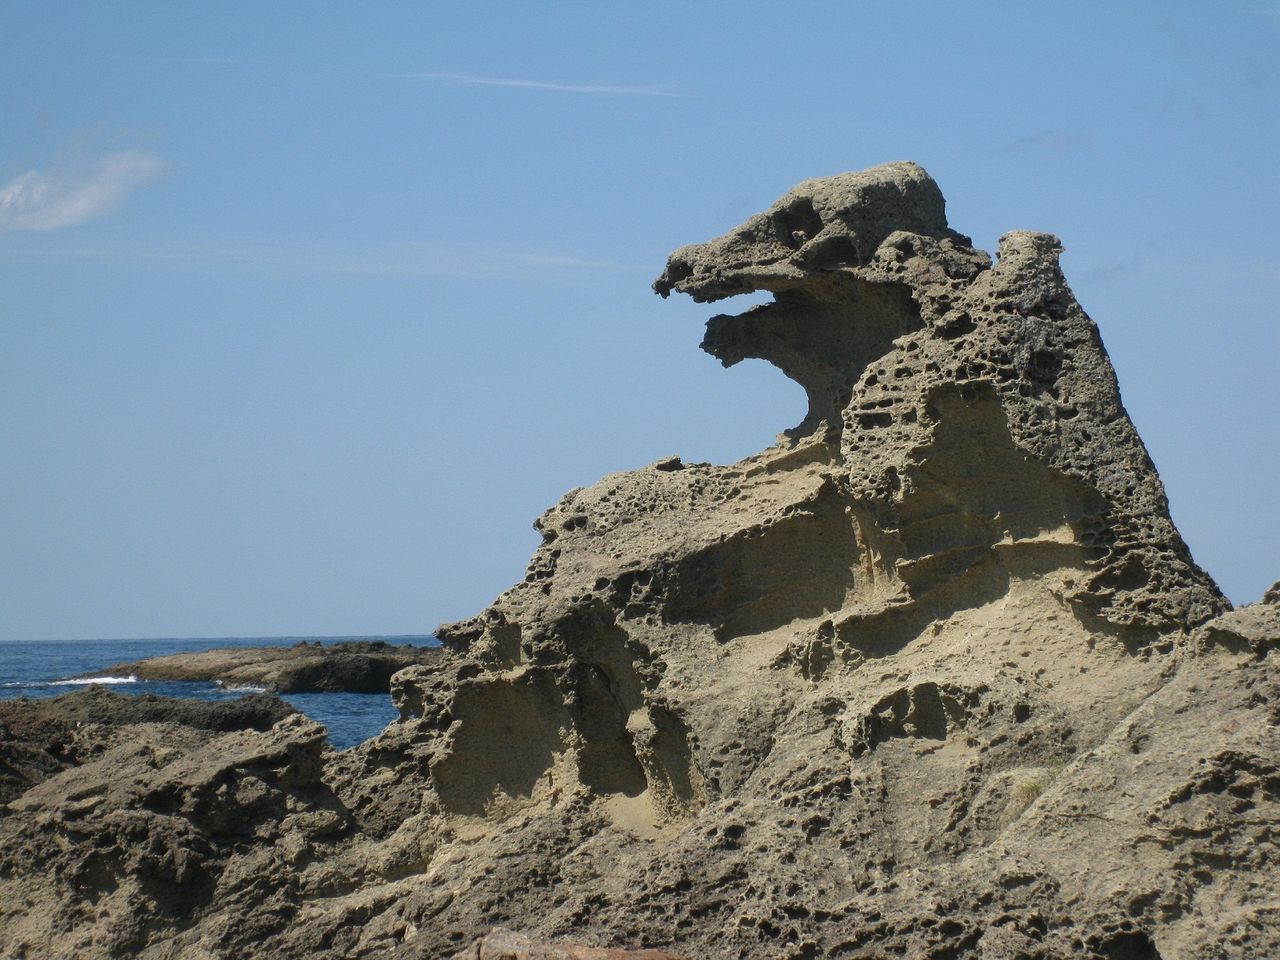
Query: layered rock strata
{"type": "Point", "coordinates": [935, 676]}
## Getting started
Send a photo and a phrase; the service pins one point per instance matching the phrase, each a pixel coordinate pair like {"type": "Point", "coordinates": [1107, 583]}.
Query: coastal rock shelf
{"type": "Point", "coordinates": [933, 676]}
{"type": "Point", "coordinates": [363, 666]}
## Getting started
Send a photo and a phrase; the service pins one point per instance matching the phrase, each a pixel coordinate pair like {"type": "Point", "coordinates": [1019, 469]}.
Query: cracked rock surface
{"type": "Point", "coordinates": [934, 676]}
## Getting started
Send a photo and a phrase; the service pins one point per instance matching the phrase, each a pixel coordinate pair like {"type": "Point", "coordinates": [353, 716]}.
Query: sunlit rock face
{"type": "Point", "coordinates": [964, 397]}
{"type": "Point", "coordinates": [935, 675]}
{"type": "Point", "coordinates": [731, 706]}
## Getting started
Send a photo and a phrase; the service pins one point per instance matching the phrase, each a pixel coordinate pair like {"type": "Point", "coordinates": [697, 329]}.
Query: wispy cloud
{"type": "Point", "coordinates": [1055, 142]}
{"type": "Point", "coordinates": [47, 201]}
{"type": "Point", "coordinates": [598, 89]}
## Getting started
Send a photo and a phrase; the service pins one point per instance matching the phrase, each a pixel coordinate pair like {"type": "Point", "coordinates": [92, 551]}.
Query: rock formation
{"type": "Point", "coordinates": [39, 738]}
{"type": "Point", "coordinates": [935, 676]}
{"type": "Point", "coordinates": [360, 666]}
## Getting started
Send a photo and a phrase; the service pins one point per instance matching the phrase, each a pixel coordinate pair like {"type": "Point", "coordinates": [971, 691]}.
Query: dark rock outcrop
{"type": "Point", "coordinates": [33, 747]}
{"type": "Point", "coordinates": [38, 738]}
{"type": "Point", "coordinates": [363, 666]}
{"type": "Point", "coordinates": [97, 704]}
{"type": "Point", "coordinates": [153, 824]}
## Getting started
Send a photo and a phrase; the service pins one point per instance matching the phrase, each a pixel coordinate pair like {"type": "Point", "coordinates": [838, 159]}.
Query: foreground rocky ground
{"type": "Point", "coordinates": [935, 676]}
{"type": "Point", "coordinates": [39, 738]}
{"type": "Point", "coordinates": [359, 666]}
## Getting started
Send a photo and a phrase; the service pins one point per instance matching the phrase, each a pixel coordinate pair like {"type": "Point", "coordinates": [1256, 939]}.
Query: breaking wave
{"type": "Point", "coordinates": [239, 687]}
{"type": "Point", "coordinates": [82, 681]}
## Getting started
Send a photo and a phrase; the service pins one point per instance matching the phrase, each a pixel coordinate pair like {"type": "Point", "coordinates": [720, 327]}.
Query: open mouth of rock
{"type": "Point", "coordinates": [935, 675]}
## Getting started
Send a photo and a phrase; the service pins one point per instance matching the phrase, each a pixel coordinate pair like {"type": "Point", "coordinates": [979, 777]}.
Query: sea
{"type": "Point", "coordinates": [29, 669]}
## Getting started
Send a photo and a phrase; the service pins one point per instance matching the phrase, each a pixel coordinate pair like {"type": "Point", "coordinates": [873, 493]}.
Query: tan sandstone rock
{"type": "Point", "coordinates": [934, 676]}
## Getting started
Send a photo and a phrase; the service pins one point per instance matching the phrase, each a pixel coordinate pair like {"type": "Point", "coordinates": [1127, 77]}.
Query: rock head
{"type": "Point", "coordinates": [970, 403]}
{"type": "Point", "coordinates": [935, 675]}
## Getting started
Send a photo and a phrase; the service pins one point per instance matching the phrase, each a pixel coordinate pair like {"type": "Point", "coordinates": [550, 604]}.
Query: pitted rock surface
{"type": "Point", "coordinates": [905, 337]}
{"type": "Point", "coordinates": [934, 676]}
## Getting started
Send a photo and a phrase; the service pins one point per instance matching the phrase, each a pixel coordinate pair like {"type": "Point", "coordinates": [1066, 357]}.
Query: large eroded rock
{"type": "Point", "coordinates": [734, 710]}
{"type": "Point", "coordinates": [935, 676]}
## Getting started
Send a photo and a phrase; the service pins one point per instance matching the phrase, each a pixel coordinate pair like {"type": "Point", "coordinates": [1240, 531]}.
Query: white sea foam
{"type": "Point", "coordinates": [246, 688]}
{"type": "Point", "coordinates": [85, 680]}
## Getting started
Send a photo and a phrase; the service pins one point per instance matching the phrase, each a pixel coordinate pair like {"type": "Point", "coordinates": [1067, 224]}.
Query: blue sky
{"type": "Point", "coordinates": [307, 310]}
